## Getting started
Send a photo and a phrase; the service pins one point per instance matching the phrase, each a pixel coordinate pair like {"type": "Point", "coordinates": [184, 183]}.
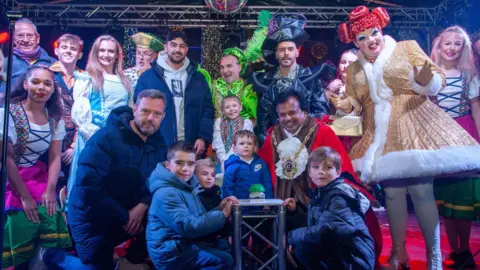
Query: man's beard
{"type": "Point", "coordinates": [144, 133]}
{"type": "Point", "coordinates": [176, 61]}
{"type": "Point", "coordinates": [291, 63]}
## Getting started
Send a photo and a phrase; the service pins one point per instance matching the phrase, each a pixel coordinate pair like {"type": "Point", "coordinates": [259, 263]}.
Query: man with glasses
{"type": "Point", "coordinates": [148, 47]}
{"type": "Point", "coordinates": [26, 51]}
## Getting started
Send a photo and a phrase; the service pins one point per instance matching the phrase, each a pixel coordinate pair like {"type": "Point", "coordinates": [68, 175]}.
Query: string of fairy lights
{"type": "Point", "coordinates": [129, 48]}
{"type": "Point", "coordinates": [212, 45]}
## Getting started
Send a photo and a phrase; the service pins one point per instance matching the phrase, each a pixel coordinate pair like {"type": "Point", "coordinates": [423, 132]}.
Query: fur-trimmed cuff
{"type": "Point", "coordinates": [431, 89]}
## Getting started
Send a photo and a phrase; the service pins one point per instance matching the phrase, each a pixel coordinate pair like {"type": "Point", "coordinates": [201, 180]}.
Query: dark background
{"type": "Point", "coordinates": [235, 37]}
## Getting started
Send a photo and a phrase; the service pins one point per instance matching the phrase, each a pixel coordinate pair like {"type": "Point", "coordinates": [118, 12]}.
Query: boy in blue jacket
{"type": "Point", "coordinates": [177, 217]}
{"type": "Point", "coordinates": [336, 236]}
{"type": "Point", "coordinates": [243, 170]}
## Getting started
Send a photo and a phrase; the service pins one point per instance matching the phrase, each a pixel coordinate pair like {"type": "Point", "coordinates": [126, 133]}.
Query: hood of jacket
{"type": "Point", "coordinates": [162, 62]}
{"type": "Point", "coordinates": [120, 117]}
{"type": "Point", "coordinates": [346, 189]}
{"type": "Point", "coordinates": [234, 159]}
{"type": "Point", "coordinates": [161, 177]}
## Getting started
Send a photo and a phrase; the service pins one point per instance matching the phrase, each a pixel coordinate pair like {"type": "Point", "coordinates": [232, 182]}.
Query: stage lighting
{"type": "Point", "coordinates": [4, 37]}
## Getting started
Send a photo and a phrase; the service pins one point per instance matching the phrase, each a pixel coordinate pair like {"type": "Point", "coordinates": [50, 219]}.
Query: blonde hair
{"type": "Point", "coordinates": [204, 162]}
{"type": "Point", "coordinates": [74, 39]}
{"type": "Point", "coordinates": [466, 62]}
{"type": "Point", "coordinates": [95, 69]}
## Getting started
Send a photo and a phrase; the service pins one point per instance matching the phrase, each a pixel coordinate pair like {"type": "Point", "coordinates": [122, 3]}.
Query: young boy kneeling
{"type": "Point", "coordinates": [336, 236]}
{"type": "Point", "coordinates": [177, 218]}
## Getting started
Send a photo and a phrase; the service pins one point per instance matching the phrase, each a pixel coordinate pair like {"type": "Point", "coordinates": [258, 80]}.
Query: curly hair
{"type": "Point", "coordinates": [54, 103]}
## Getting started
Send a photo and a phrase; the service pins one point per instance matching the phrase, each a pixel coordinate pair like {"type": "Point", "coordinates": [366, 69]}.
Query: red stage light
{"type": "Point", "coordinates": [55, 44]}
{"type": "Point", "coordinates": [4, 37]}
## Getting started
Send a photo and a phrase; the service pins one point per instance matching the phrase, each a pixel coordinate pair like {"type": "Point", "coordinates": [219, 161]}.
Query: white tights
{"type": "Point", "coordinates": [421, 192]}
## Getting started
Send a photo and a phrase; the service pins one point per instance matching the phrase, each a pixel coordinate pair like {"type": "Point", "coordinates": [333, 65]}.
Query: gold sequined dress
{"type": "Point", "coordinates": [405, 134]}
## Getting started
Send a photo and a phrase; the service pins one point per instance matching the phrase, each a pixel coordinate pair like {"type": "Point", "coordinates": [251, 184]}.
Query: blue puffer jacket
{"type": "Point", "coordinates": [336, 223]}
{"type": "Point", "coordinates": [240, 175]}
{"type": "Point", "coordinates": [111, 179]}
{"type": "Point", "coordinates": [198, 106]}
{"type": "Point", "coordinates": [20, 66]}
{"type": "Point", "coordinates": [176, 216]}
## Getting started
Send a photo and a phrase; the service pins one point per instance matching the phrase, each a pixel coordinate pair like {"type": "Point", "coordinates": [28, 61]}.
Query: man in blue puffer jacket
{"type": "Point", "coordinates": [177, 217]}
{"type": "Point", "coordinates": [189, 107]}
{"type": "Point", "coordinates": [109, 199]}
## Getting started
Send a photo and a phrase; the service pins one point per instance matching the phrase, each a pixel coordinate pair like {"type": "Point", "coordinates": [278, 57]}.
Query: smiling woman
{"type": "Point", "coordinates": [457, 197]}
{"type": "Point", "coordinates": [97, 92]}
{"type": "Point", "coordinates": [32, 215]}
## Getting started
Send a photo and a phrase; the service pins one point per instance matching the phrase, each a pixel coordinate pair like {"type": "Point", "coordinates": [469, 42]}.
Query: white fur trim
{"type": "Point", "coordinates": [431, 89]}
{"type": "Point", "coordinates": [287, 150]}
{"type": "Point", "coordinates": [381, 95]}
{"type": "Point", "coordinates": [421, 163]}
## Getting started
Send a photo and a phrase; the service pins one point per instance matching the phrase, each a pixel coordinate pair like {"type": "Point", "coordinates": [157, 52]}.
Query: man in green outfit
{"type": "Point", "coordinates": [232, 65]}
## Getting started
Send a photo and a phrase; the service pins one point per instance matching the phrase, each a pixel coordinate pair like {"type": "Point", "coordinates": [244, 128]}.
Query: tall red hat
{"type": "Point", "coordinates": [360, 19]}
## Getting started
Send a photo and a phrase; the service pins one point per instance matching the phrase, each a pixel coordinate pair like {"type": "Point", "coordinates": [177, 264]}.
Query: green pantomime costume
{"type": "Point", "coordinates": [240, 88]}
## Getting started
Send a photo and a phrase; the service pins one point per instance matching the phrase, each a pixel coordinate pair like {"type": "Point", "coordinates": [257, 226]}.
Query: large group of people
{"type": "Point", "coordinates": [156, 155]}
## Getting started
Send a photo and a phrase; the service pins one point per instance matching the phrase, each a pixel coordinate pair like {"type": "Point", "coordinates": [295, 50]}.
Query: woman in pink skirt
{"type": "Point", "coordinates": [458, 199]}
{"type": "Point", "coordinates": [32, 216]}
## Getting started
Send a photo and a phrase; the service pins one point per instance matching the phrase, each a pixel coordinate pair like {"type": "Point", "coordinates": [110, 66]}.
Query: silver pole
{"type": "Point", "coordinates": [237, 236]}
{"type": "Point", "coordinates": [281, 232]}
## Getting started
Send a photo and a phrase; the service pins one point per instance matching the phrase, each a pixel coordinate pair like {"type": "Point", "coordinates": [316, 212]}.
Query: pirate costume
{"type": "Point", "coordinates": [310, 82]}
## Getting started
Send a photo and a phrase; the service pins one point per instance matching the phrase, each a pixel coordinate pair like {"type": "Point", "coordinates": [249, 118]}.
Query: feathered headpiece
{"type": "Point", "coordinates": [253, 52]}
{"type": "Point", "coordinates": [360, 20]}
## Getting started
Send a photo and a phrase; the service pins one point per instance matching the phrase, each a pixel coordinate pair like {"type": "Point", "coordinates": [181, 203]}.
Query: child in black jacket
{"type": "Point", "coordinates": [336, 236]}
{"type": "Point", "coordinates": [210, 196]}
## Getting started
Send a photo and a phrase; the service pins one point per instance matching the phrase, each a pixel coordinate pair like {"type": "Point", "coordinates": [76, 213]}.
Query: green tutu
{"type": "Point", "coordinates": [458, 198]}
{"type": "Point", "coordinates": [21, 236]}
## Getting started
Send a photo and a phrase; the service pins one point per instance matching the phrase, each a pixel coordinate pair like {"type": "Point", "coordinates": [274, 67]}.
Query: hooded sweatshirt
{"type": "Point", "coordinates": [177, 82]}
{"type": "Point", "coordinates": [176, 217]}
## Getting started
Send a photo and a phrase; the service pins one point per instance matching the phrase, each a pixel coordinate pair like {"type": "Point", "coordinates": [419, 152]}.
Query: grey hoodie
{"type": "Point", "coordinates": [177, 82]}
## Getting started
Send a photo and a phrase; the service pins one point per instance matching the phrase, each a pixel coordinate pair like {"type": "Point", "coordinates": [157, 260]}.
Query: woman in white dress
{"type": "Point", "coordinates": [97, 92]}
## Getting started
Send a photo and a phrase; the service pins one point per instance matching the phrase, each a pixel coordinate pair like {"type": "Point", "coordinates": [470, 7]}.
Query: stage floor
{"type": "Point", "coordinates": [416, 245]}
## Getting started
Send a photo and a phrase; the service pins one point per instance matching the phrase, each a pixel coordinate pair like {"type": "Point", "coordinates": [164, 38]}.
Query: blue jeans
{"type": "Point", "coordinates": [202, 256]}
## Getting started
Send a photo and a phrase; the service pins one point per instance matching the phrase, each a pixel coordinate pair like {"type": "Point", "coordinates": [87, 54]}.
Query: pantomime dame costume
{"type": "Point", "coordinates": [407, 139]}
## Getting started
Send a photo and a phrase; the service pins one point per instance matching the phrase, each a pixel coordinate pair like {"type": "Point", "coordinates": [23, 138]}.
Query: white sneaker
{"type": "Point", "coordinates": [434, 260]}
